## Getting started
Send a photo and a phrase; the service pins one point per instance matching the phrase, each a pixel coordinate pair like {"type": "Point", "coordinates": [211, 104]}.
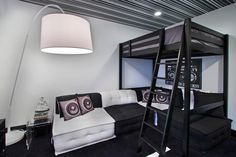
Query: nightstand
{"type": "Point", "coordinates": [2, 138]}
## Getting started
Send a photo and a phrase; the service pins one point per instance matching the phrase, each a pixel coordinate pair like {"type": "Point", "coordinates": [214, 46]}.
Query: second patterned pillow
{"type": "Point", "coordinates": [85, 104]}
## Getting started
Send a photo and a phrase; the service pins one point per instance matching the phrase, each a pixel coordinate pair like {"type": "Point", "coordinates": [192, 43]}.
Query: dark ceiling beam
{"type": "Point", "coordinates": [76, 6]}
{"type": "Point", "coordinates": [108, 8]}
{"type": "Point", "coordinates": [139, 13]}
{"type": "Point", "coordinates": [205, 3]}
{"type": "Point", "coordinates": [185, 6]}
{"type": "Point", "coordinates": [181, 10]}
{"type": "Point", "coordinates": [166, 11]}
{"type": "Point", "coordinates": [132, 4]}
{"type": "Point", "coordinates": [131, 10]}
{"type": "Point", "coordinates": [85, 12]}
{"type": "Point", "coordinates": [222, 2]}
{"type": "Point", "coordinates": [214, 4]}
{"type": "Point", "coordinates": [202, 5]}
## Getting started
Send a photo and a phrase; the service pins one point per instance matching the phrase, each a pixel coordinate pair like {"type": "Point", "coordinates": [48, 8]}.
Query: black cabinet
{"type": "Point", "coordinates": [2, 138]}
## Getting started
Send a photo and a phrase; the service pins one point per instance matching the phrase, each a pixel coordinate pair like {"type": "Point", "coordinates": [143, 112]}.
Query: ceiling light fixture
{"type": "Point", "coordinates": [157, 13]}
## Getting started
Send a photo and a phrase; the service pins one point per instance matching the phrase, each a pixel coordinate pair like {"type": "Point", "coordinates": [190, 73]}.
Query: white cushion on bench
{"type": "Point", "coordinates": [118, 97]}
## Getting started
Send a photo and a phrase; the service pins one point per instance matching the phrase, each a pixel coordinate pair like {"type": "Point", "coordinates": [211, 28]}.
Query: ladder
{"type": "Point", "coordinates": [164, 133]}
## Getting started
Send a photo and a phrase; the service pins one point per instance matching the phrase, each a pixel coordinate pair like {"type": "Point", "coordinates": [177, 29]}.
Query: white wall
{"type": "Point", "coordinates": [224, 21]}
{"type": "Point", "coordinates": [52, 75]}
{"type": "Point", "coordinates": [136, 72]}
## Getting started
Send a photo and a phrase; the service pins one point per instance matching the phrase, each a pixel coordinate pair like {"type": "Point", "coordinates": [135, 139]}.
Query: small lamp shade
{"type": "Point", "coordinates": [65, 34]}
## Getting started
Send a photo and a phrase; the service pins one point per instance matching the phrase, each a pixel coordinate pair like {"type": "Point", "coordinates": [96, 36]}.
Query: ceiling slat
{"type": "Point", "coordinates": [139, 13]}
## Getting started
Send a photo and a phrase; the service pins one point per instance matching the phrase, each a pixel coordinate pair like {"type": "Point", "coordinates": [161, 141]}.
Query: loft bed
{"type": "Point", "coordinates": [189, 38]}
{"type": "Point", "coordinates": [204, 42]}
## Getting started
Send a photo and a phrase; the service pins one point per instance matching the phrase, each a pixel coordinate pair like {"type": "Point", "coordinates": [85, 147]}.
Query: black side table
{"type": "Point", "coordinates": [37, 129]}
{"type": "Point", "coordinates": [2, 138]}
{"type": "Point", "coordinates": [42, 128]}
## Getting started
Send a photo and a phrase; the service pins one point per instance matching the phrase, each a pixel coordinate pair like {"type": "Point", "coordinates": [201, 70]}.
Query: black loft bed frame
{"type": "Point", "coordinates": [199, 41]}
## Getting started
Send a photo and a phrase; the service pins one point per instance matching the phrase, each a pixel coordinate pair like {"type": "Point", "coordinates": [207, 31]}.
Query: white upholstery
{"type": "Point", "coordinates": [93, 127]}
{"type": "Point", "coordinates": [118, 97]}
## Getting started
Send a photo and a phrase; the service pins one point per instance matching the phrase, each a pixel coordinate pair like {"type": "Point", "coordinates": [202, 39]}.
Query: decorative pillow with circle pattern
{"type": "Point", "coordinates": [70, 109]}
{"type": "Point", "coordinates": [145, 94]}
{"type": "Point", "coordinates": [162, 97]}
{"type": "Point", "coordinates": [85, 103]}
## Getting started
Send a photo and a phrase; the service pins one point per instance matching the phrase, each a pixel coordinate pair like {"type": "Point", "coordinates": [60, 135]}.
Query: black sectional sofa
{"type": "Point", "coordinates": [206, 131]}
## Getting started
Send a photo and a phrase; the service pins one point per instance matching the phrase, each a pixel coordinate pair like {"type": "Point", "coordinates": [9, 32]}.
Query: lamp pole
{"type": "Point", "coordinates": [16, 135]}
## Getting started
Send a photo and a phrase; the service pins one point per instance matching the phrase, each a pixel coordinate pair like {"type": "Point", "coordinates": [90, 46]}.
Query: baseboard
{"type": "Point", "coordinates": [233, 133]}
{"type": "Point", "coordinates": [19, 127]}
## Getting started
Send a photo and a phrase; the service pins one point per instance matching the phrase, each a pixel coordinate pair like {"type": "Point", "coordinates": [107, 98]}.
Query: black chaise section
{"type": "Point", "coordinates": [205, 131]}
{"type": "Point", "coordinates": [128, 117]}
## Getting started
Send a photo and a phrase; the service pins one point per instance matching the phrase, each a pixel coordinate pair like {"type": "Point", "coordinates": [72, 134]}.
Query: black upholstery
{"type": "Point", "coordinates": [205, 131]}
{"type": "Point", "coordinates": [202, 98]}
{"type": "Point", "coordinates": [128, 117]}
{"type": "Point", "coordinates": [95, 97]}
{"type": "Point", "coordinates": [209, 131]}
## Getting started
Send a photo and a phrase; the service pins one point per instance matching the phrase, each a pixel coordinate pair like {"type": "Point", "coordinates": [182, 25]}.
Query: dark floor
{"type": "Point", "coordinates": [124, 146]}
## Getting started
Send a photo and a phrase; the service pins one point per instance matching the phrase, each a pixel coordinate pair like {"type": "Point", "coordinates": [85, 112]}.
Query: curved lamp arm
{"type": "Point", "coordinates": [23, 52]}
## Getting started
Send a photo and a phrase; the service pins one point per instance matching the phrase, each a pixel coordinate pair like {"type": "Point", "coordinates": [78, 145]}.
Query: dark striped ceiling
{"type": "Point", "coordinates": [139, 13]}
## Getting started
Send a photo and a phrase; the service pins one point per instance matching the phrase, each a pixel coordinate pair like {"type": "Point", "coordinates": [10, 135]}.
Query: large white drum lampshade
{"type": "Point", "coordinates": [65, 34]}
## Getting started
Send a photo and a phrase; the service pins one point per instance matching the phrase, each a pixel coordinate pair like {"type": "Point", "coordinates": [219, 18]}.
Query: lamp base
{"type": "Point", "coordinates": [14, 136]}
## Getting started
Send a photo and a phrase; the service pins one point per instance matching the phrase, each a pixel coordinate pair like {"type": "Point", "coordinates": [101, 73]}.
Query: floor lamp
{"type": "Point", "coordinates": [60, 34]}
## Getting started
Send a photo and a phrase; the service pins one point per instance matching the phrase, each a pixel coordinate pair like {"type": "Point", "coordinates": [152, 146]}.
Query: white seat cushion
{"type": "Point", "coordinates": [93, 127]}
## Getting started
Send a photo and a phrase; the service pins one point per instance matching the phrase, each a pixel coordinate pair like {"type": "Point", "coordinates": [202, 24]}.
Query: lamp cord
{"type": "Point", "coordinates": [22, 56]}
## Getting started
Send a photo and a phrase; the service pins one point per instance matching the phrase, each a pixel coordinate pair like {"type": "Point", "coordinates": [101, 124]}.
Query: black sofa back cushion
{"type": "Point", "coordinates": [178, 99]}
{"type": "Point", "coordinates": [202, 98]}
{"type": "Point", "coordinates": [95, 97]}
{"type": "Point", "coordinates": [139, 92]}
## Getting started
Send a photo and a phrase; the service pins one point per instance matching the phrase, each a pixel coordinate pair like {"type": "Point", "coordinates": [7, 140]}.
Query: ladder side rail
{"type": "Point", "coordinates": [187, 77]}
{"type": "Point", "coordinates": [172, 98]}
{"type": "Point", "coordinates": [160, 49]}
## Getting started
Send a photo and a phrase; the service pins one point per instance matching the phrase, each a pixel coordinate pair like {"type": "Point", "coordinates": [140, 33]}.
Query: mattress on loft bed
{"type": "Point", "coordinates": [172, 38]}
{"type": "Point", "coordinates": [93, 127]}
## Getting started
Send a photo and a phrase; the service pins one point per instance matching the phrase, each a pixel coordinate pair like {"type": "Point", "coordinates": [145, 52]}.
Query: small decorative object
{"type": "Point", "coordinates": [41, 112]}
{"type": "Point", "coordinates": [42, 105]}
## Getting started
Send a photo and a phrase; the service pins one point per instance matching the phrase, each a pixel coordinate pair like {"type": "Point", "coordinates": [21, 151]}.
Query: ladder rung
{"type": "Point", "coordinates": [160, 78]}
{"type": "Point", "coordinates": [154, 127]}
{"type": "Point", "coordinates": [153, 92]}
{"type": "Point", "coordinates": [156, 110]}
{"type": "Point", "coordinates": [167, 63]}
{"type": "Point", "coordinates": [150, 144]}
